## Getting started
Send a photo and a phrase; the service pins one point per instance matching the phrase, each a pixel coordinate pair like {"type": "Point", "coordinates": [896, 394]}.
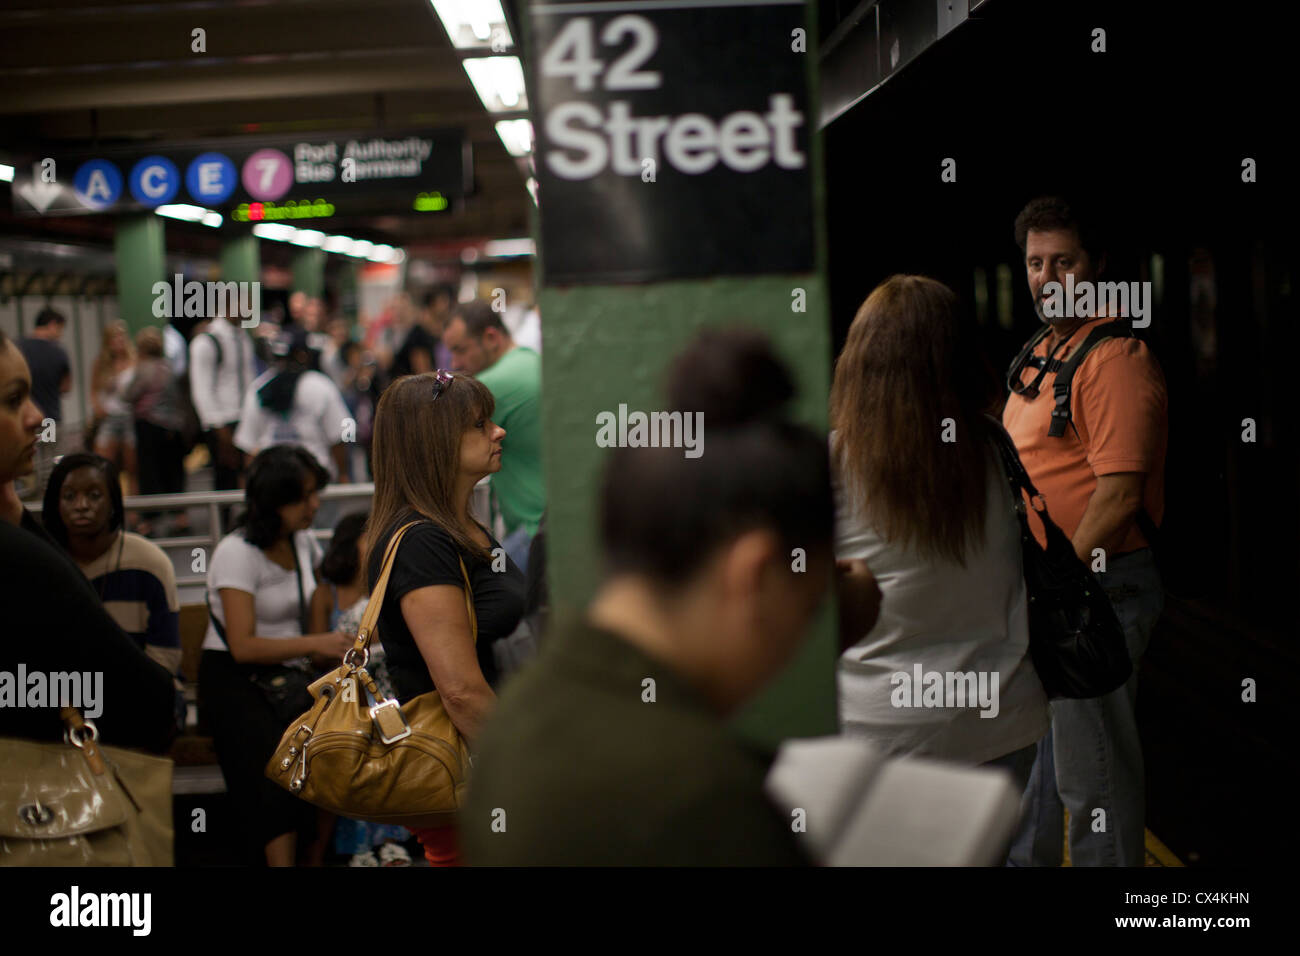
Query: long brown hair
{"type": "Point", "coordinates": [416, 454]}
{"type": "Point", "coordinates": [912, 360]}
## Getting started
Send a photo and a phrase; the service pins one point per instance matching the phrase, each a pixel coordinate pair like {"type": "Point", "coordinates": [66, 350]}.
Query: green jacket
{"type": "Point", "coordinates": [576, 767]}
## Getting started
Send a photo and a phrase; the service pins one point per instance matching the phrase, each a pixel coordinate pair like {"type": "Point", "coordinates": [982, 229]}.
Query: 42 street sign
{"type": "Point", "coordinates": [673, 139]}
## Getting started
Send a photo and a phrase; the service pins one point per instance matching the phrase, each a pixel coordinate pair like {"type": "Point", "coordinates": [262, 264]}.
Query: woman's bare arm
{"type": "Point", "coordinates": [438, 621]}
{"type": "Point", "coordinates": [247, 648]}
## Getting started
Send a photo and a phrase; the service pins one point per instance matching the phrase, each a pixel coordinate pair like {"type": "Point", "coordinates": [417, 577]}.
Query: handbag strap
{"type": "Point", "coordinates": [369, 620]}
{"type": "Point", "coordinates": [302, 599]}
{"type": "Point", "coordinates": [1011, 464]}
{"type": "Point", "coordinates": [84, 736]}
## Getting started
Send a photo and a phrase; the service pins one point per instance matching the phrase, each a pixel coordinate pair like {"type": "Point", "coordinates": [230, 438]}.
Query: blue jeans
{"type": "Point", "coordinates": [1092, 759]}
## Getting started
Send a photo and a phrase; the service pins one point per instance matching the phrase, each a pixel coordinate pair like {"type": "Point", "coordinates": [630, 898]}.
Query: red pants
{"type": "Point", "coordinates": [441, 847]}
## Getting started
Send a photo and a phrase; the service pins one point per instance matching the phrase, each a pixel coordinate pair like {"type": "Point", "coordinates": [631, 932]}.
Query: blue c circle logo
{"type": "Point", "coordinates": [211, 178]}
{"type": "Point", "coordinates": [154, 180]}
{"type": "Point", "coordinates": [97, 184]}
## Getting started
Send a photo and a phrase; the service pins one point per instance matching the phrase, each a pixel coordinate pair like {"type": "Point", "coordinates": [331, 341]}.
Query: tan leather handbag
{"type": "Point", "coordinates": [360, 755]}
{"type": "Point", "coordinates": [78, 803]}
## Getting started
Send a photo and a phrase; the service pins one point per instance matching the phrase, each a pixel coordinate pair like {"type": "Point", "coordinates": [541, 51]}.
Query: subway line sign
{"type": "Point", "coordinates": [673, 139]}
{"type": "Point", "coordinates": [247, 173]}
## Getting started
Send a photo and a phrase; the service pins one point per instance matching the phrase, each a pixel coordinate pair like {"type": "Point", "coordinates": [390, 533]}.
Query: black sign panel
{"type": "Point", "coordinates": [265, 173]}
{"type": "Point", "coordinates": [672, 139]}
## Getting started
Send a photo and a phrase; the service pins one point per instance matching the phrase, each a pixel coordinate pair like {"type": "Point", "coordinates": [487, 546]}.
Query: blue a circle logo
{"type": "Point", "coordinates": [211, 178]}
{"type": "Point", "coordinates": [154, 180]}
{"type": "Point", "coordinates": [97, 184]}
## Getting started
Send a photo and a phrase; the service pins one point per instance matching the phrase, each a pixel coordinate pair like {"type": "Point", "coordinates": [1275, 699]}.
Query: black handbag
{"type": "Point", "coordinates": [283, 685]}
{"type": "Point", "coordinates": [1075, 639]}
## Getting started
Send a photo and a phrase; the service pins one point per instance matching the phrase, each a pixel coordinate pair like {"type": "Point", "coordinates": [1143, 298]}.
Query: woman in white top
{"type": "Point", "coordinates": [257, 655]}
{"type": "Point", "coordinates": [921, 498]}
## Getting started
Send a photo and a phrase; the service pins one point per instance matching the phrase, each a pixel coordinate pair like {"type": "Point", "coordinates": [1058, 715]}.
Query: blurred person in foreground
{"type": "Point", "coordinates": [613, 747]}
{"type": "Point", "coordinates": [54, 619]}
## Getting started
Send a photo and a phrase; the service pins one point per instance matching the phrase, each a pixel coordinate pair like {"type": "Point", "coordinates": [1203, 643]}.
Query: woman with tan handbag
{"type": "Point", "coordinates": [433, 442]}
{"type": "Point", "coordinates": [56, 625]}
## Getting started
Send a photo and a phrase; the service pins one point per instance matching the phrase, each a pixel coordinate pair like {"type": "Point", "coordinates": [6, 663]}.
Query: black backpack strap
{"type": "Point", "coordinates": [1013, 374]}
{"type": "Point", "coordinates": [1065, 375]}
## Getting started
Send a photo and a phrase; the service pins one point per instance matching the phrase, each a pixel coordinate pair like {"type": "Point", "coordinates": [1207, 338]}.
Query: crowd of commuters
{"type": "Point", "coordinates": [905, 510]}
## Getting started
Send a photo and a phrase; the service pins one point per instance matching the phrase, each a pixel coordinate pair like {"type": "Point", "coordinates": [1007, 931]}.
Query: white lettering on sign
{"type": "Point", "coordinates": [588, 141]}
{"type": "Point", "coordinates": [210, 177]}
{"type": "Point", "coordinates": [692, 143]}
{"type": "Point", "coordinates": [267, 167]}
{"type": "Point", "coordinates": [149, 184]}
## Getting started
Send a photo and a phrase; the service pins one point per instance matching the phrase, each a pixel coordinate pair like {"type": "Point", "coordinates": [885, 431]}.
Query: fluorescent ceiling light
{"type": "Point", "coordinates": [277, 231]}
{"type": "Point", "coordinates": [516, 135]}
{"type": "Point", "coordinates": [6, 173]}
{"type": "Point", "coordinates": [380, 253]}
{"type": "Point", "coordinates": [308, 237]}
{"type": "Point", "coordinates": [471, 24]}
{"type": "Point", "coordinates": [361, 248]}
{"type": "Point", "coordinates": [211, 218]}
{"type": "Point", "coordinates": [182, 211]}
{"type": "Point", "coordinates": [508, 247]}
{"type": "Point", "coordinates": [499, 82]}
{"type": "Point", "coordinates": [338, 244]}
{"type": "Point", "coordinates": [531, 185]}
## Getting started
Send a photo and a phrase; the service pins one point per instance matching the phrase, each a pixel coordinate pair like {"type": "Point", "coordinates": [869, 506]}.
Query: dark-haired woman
{"type": "Point", "coordinates": [133, 577]}
{"type": "Point", "coordinates": [923, 500]}
{"type": "Point", "coordinates": [258, 654]}
{"type": "Point", "coordinates": [53, 617]}
{"type": "Point", "coordinates": [434, 441]}
{"type": "Point", "coordinates": [614, 747]}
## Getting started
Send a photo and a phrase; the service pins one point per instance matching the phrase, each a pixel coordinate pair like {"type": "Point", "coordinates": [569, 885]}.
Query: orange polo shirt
{"type": "Point", "coordinates": [1120, 423]}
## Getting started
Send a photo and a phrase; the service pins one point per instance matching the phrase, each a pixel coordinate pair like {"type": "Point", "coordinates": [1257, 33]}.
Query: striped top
{"type": "Point", "coordinates": [137, 583]}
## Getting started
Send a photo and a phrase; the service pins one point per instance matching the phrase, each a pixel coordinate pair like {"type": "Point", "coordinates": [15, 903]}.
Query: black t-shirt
{"type": "Point", "coordinates": [49, 364]}
{"type": "Point", "coordinates": [428, 556]}
{"type": "Point", "coordinates": [419, 338]}
{"type": "Point", "coordinates": [54, 622]}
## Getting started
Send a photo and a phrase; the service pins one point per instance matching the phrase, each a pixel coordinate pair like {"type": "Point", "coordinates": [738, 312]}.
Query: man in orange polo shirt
{"type": "Point", "coordinates": [1099, 476]}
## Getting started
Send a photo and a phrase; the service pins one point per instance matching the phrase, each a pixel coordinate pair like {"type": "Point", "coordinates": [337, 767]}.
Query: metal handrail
{"type": "Point", "coordinates": [214, 500]}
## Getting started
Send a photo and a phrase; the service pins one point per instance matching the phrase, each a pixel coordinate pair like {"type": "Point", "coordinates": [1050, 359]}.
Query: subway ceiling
{"type": "Point", "coordinates": [79, 74]}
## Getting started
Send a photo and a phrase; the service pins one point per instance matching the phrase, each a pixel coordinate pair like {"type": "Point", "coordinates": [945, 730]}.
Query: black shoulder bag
{"type": "Point", "coordinates": [283, 686]}
{"type": "Point", "coordinates": [1075, 639]}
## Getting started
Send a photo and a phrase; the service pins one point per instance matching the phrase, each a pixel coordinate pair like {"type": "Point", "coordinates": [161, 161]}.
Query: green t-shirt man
{"type": "Point", "coordinates": [515, 381]}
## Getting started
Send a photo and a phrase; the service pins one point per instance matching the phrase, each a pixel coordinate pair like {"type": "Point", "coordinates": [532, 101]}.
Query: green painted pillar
{"type": "Point", "coordinates": [609, 344]}
{"type": "Point", "coordinates": [309, 271]}
{"type": "Point", "coordinates": [241, 259]}
{"type": "Point", "coordinates": [140, 250]}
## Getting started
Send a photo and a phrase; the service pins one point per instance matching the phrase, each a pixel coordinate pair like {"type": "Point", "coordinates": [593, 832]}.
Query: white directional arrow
{"type": "Point", "coordinates": [39, 194]}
